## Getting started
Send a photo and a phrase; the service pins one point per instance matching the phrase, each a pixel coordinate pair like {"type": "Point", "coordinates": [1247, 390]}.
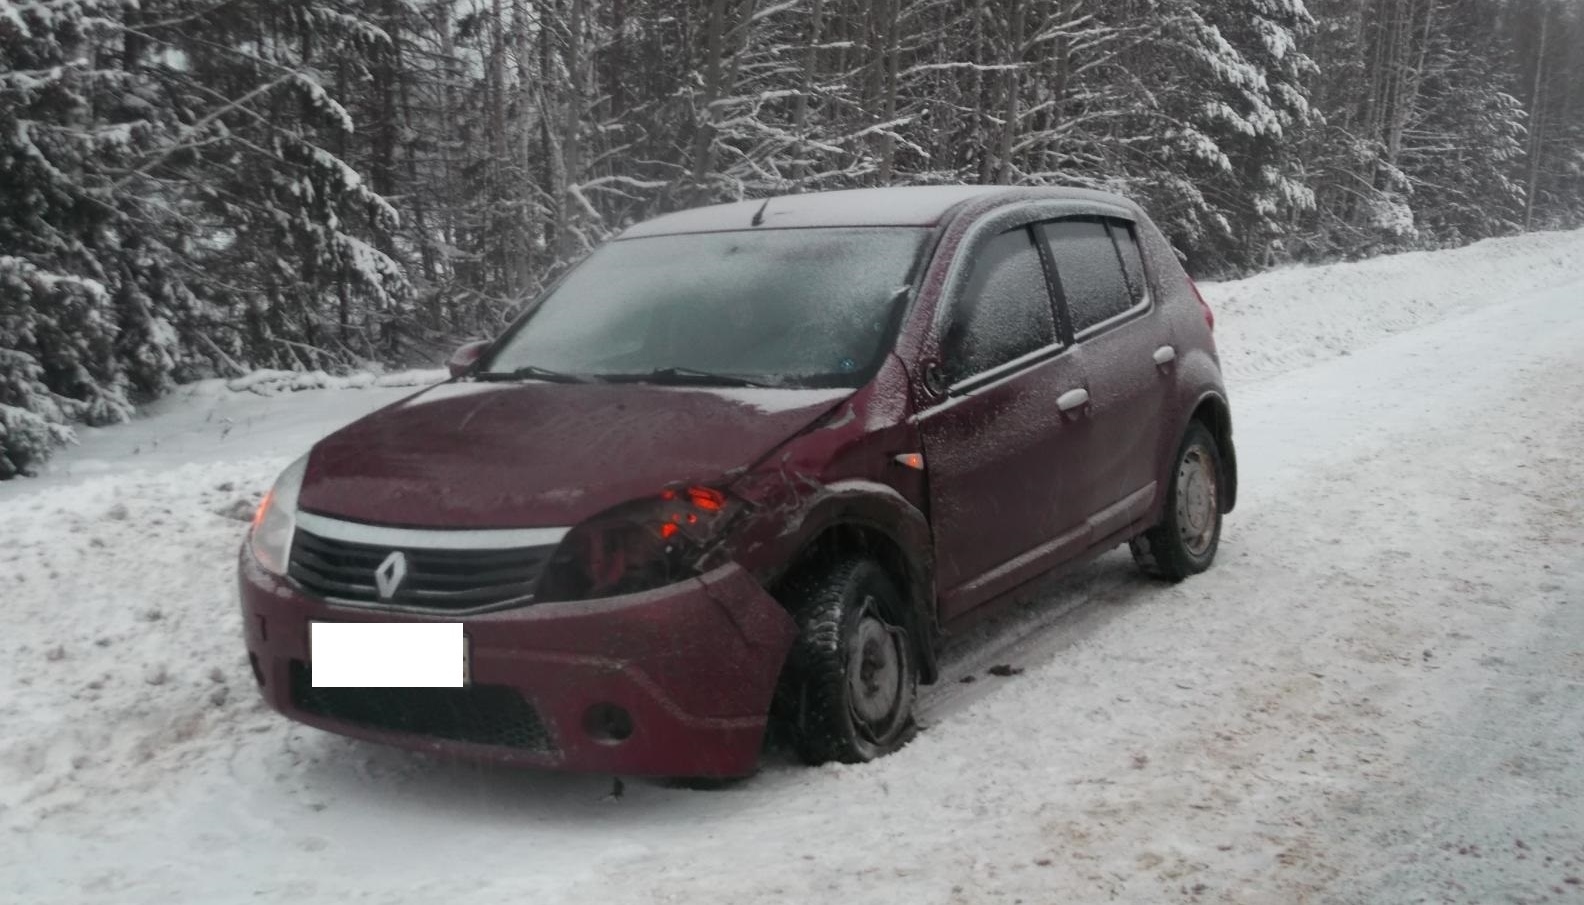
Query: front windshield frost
{"type": "Point", "coordinates": [789, 306]}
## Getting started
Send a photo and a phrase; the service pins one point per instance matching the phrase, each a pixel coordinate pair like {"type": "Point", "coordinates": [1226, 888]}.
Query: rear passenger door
{"type": "Point", "coordinates": [1125, 347]}
{"type": "Point", "coordinates": [1004, 460]}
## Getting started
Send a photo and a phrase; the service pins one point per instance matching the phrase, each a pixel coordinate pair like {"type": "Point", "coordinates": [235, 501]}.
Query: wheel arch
{"type": "Point", "coordinates": [866, 521]}
{"type": "Point", "coordinates": [1215, 414]}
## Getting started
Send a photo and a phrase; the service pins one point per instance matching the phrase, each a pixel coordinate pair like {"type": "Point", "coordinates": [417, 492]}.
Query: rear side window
{"type": "Point", "coordinates": [1089, 270]}
{"type": "Point", "coordinates": [1004, 310]}
{"type": "Point", "coordinates": [1132, 261]}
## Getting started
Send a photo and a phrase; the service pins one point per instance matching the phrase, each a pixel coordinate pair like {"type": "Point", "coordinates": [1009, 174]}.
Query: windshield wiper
{"type": "Point", "coordinates": [675, 374]}
{"type": "Point", "coordinates": [531, 372]}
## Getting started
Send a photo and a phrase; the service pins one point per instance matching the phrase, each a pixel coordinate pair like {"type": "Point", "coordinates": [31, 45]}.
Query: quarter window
{"type": "Point", "coordinates": [1004, 310]}
{"type": "Point", "coordinates": [1132, 261]}
{"type": "Point", "coordinates": [1089, 271]}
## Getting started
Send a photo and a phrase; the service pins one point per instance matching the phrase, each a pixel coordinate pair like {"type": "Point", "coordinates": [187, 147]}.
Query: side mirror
{"type": "Point", "coordinates": [463, 359]}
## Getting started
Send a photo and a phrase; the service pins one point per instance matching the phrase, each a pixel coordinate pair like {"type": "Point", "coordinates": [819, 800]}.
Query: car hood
{"type": "Point", "coordinates": [491, 455]}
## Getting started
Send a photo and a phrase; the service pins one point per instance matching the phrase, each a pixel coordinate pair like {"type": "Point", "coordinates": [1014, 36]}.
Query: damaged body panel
{"type": "Point", "coordinates": [693, 665]}
{"type": "Point", "coordinates": [455, 455]}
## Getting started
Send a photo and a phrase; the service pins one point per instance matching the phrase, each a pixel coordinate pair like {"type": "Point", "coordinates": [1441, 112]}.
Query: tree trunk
{"type": "Point", "coordinates": [496, 196]}
{"type": "Point", "coordinates": [889, 102]}
{"type": "Point", "coordinates": [1009, 129]}
{"type": "Point", "coordinates": [616, 61]}
{"type": "Point", "coordinates": [981, 96]}
{"type": "Point", "coordinates": [1536, 123]}
{"type": "Point", "coordinates": [800, 107]}
{"type": "Point", "coordinates": [571, 148]}
{"type": "Point", "coordinates": [704, 127]}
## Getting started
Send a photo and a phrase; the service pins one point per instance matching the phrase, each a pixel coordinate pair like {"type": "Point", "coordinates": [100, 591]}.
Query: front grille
{"type": "Point", "coordinates": [445, 580]}
{"type": "Point", "coordinates": [482, 714]}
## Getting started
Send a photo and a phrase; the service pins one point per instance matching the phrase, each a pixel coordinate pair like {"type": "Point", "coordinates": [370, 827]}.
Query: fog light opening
{"type": "Point", "coordinates": [258, 672]}
{"type": "Point", "coordinates": [608, 724]}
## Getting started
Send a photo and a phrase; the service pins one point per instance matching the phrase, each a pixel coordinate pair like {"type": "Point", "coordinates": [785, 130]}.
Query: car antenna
{"type": "Point", "coordinates": [758, 217]}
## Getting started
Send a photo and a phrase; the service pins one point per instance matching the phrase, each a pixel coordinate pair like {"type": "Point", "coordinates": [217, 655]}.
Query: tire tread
{"type": "Point", "coordinates": [821, 594]}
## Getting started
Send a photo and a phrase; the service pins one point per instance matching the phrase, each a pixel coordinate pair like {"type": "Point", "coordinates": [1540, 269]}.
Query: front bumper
{"type": "Point", "coordinates": [694, 664]}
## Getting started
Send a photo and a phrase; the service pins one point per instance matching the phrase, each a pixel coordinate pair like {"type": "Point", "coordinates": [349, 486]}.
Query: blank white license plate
{"type": "Point", "coordinates": [387, 654]}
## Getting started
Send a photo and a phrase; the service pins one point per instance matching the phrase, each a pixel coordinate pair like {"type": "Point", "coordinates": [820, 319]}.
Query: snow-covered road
{"type": "Point", "coordinates": [1376, 696]}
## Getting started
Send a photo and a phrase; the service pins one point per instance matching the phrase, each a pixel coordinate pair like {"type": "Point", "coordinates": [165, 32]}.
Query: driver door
{"type": "Point", "coordinates": [1000, 442]}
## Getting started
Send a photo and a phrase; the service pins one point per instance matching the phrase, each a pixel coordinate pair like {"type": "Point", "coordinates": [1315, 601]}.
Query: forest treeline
{"type": "Point", "coordinates": [192, 188]}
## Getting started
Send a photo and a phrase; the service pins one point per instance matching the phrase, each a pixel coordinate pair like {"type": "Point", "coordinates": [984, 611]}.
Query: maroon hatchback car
{"type": "Point", "coordinates": [752, 462]}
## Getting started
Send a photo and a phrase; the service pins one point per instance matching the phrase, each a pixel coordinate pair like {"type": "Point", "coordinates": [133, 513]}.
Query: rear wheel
{"type": "Point", "coordinates": [854, 668]}
{"type": "Point", "coordinates": [1185, 541]}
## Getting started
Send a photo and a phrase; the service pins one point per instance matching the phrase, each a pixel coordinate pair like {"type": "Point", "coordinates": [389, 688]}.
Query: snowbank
{"type": "Point", "coordinates": [1284, 319]}
{"type": "Point", "coordinates": [268, 382]}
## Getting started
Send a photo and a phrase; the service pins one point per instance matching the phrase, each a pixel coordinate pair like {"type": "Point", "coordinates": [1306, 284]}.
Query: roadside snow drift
{"type": "Point", "coordinates": [1287, 318]}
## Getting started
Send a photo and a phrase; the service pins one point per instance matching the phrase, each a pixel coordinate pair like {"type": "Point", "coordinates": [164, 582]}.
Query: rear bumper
{"type": "Point", "coordinates": [694, 664]}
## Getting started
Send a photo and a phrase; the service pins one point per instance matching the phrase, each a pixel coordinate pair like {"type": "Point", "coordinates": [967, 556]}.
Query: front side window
{"type": "Point", "coordinates": [1088, 270]}
{"type": "Point", "coordinates": [1004, 310]}
{"type": "Point", "coordinates": [781, 307]}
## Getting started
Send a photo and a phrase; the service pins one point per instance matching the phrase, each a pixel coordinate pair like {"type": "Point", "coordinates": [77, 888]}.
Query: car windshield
{"type": "Point", "coordinates": [782, 307]}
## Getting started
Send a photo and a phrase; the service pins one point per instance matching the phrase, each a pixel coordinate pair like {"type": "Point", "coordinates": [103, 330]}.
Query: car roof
{"type": "Point", "coordinates": [924, 205]}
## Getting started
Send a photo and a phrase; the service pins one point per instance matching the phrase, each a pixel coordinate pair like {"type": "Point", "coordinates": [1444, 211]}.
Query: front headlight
{"type": "Point", "coordinates": [641, 545]}
{"type": "Point", "coordinates": [276, 519]}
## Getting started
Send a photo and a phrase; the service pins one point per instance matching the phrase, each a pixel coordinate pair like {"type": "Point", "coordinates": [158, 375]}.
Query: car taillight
{"type": "Point", "coordinates": [644, 544]}
{"type": "Point", "coordinates": [1203, 305]}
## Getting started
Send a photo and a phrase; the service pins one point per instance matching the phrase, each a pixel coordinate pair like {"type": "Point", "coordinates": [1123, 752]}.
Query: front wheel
{"type": "Point", "coordinates": [854, 667]}
{"type": "Point", "coordinates": [1185, 541]}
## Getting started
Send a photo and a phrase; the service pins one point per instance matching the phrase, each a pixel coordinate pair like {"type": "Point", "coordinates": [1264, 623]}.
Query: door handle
{"type": "Point", "coordinates": [1165, 355]}
{"type": "Point", "coordinates": [1073, 399]}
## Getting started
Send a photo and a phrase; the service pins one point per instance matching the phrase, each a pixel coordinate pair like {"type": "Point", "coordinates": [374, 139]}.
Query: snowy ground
{"type": "Point", "coordinates": [1376, 696]}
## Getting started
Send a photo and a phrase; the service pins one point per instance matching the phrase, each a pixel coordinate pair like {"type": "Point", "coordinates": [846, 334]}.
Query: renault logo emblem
{"type": "Point", "coordinates": [390, 574]}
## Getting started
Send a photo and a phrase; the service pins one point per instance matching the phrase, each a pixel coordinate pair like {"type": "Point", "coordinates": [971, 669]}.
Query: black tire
{"type": "Point", "coordinates": [846, 609]}
{"type": "Point", "coordinates": [1185, 541]}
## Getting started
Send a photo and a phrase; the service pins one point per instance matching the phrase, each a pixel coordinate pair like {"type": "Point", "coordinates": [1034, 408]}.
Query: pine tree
{"type": "Point", "coordinates": [59, 228]}
{"type": "Point", "coordinates": [300, 231]}
{"type": "Point", "coordinates": [190, 188]}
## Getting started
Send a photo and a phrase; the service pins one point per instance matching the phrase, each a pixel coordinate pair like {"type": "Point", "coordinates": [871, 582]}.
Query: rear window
{"type": "Point", "coordinates": [1089, 271]}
